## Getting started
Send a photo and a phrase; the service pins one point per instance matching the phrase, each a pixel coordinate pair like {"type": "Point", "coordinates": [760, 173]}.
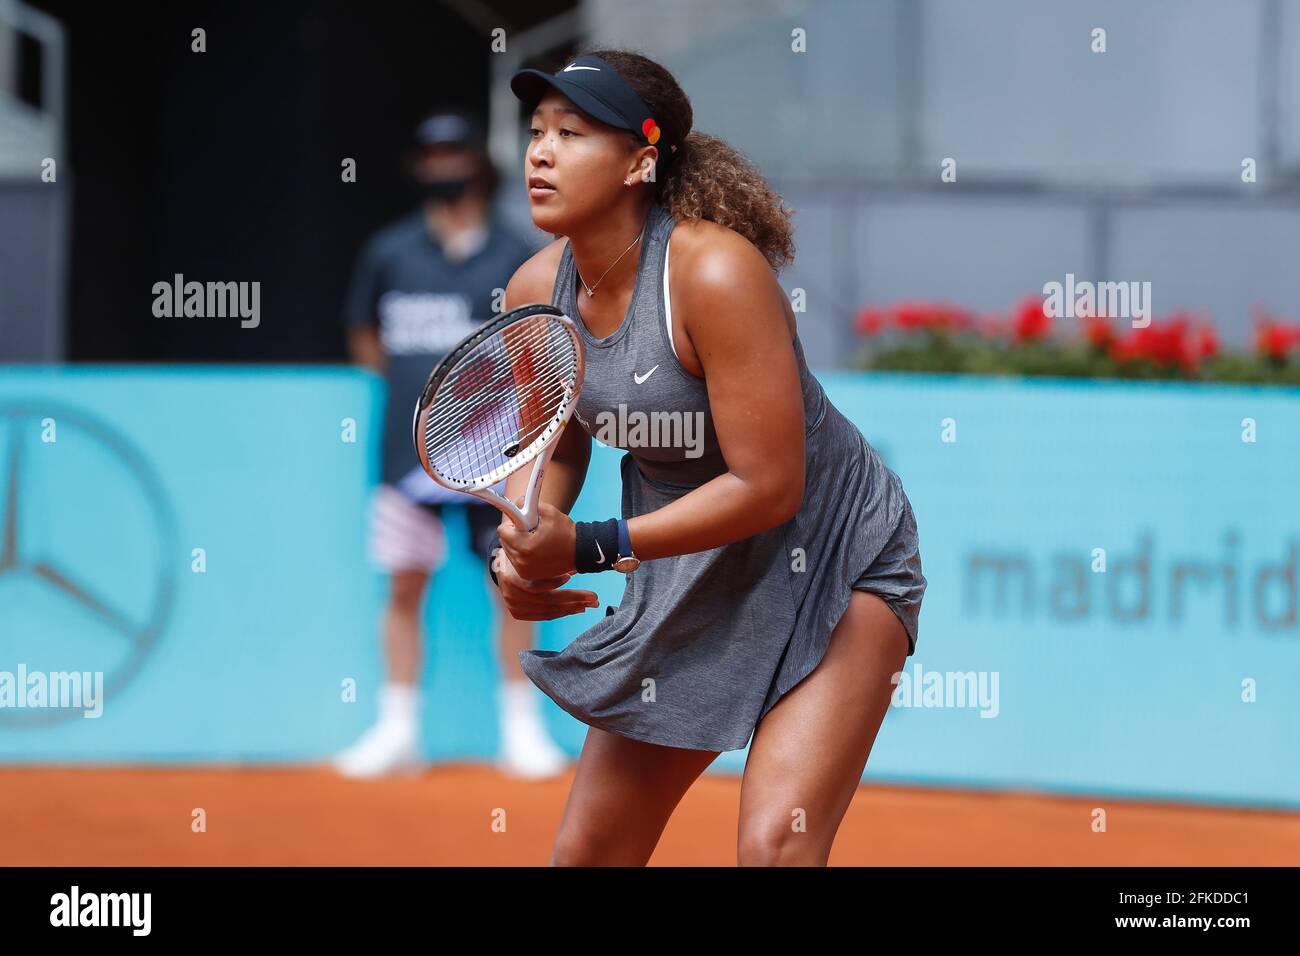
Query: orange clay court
{"type": "Point", "coordinates": [444, 817]}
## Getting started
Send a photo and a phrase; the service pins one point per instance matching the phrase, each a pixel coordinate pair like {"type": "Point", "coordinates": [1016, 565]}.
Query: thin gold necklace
{"type": "Point", "coordinates": [591, 290]}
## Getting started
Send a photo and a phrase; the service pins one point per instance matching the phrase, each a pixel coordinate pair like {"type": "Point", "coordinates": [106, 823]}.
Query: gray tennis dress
{"type": "Point", "coordinates": [704, 644]}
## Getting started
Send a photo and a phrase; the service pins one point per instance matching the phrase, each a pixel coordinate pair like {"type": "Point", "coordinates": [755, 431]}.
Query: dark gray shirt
{"type": "Point", "coordinates": [423, 303]}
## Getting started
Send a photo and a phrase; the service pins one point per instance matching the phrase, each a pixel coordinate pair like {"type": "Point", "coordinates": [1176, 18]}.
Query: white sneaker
{"type": "Point", "coordinates": [389, 747]}
{"type": "Point", "coordinates": [528, 751]}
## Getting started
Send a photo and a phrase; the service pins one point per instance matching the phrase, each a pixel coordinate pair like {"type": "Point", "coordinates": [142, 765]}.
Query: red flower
{"type": "Point", "coordinates": [1165, 342]}
{"type": "Point", "coordinates": [1273, 339]}
{"type": "Point", "coordinates": [952, 317]}
{"type": "Point", "coordinates": [1099, 332]}
{"type": "Point", "coordinates": [1180, 340]}
{"type": "Point", "coordinates": [1190, 344]}
{"type": "Point", "coordinates": [872, 320]}
{"type": "Point", "coordinates": [1207, 341]}
{"type": "Point", "coordinates": [911, 316]}
{"type": "Point", "coordinates": [1031, 320]}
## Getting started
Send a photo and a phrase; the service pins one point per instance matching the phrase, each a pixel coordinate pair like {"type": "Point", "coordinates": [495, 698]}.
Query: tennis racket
{"type": "Point", "coordinates": [497, 402]}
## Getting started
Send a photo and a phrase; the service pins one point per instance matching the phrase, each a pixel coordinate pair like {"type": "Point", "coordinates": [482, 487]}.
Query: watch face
{"type": "Point", "coordinates": [625, 565]}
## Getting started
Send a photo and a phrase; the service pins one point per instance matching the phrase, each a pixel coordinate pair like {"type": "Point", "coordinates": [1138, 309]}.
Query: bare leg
{"type": "Point", "coordinates": [623, 794]}
{"type": "Point", "coordinates": [402, 641]}
{"type": "Point", "coordinates": [391, 743]}
{"type": "Point", "coordinates": [808, 753]}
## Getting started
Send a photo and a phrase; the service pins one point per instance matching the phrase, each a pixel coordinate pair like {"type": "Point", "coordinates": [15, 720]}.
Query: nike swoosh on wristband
{"type": "Point", "coordinates": [600, 551]}
{"type": "Point", "coordinates": [641, 378]}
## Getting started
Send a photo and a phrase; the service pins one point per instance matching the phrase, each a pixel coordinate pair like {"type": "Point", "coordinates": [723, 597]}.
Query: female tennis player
{"type": "Point", "coordinates": [773, 570]}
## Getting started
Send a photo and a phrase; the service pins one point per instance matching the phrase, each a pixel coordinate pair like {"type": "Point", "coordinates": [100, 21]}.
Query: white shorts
{"type": "Point", "coordinates": [404, 536]}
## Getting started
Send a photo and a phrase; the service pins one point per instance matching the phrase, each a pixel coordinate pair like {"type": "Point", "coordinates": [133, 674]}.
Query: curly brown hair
{"type": "Point", "coordinates": [704, 178]}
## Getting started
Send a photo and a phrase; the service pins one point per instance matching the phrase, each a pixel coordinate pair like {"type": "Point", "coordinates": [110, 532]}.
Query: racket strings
{"type": "Point", "coordinates": [492, 435]}
{"type": "Point", "coordinates": [500, 398]}
{"type": "Point", "coordinates": [450, 422]}
{"type": "Point", "coordinates": [489, 434]}
{"type": "Point", "coordinates": [471, 379]}
{"type": "Point", "coordinates": [452, 415]}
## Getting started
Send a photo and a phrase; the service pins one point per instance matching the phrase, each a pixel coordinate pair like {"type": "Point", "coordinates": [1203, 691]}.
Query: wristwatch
{"type": "Point", "coordinates": [626, 560]}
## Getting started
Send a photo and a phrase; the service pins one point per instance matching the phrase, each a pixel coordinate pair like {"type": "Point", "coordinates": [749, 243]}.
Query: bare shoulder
{"type": "Point", "coordinates": [534, 281]}
{"type": "Point", "coordinates": [718, 264]}
{"type": "Point", "coordinates": [713, 253]}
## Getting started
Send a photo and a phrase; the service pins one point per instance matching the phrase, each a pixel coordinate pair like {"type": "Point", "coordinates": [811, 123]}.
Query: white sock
{"type": "Point", "coordinates": [399, 704]}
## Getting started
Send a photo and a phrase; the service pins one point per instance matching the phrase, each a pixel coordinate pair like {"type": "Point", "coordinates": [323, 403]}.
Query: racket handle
{"type": "Point", "coordinates": [533, 497]}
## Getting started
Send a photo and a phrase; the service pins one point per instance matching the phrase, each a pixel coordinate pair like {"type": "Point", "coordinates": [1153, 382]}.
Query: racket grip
{"type": "Point", "coordinates": [533, 497]}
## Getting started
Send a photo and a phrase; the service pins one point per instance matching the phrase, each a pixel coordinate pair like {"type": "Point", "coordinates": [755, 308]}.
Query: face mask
{"type": "Point", "coordinates": [442, 190]}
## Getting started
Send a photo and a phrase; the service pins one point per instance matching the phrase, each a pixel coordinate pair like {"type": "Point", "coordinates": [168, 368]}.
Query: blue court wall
{"type": "Point", "coordinates": [1173, 673]}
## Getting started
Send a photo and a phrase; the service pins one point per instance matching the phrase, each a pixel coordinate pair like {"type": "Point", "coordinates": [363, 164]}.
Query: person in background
{"type": "Point", "coordinates": [419, 287]}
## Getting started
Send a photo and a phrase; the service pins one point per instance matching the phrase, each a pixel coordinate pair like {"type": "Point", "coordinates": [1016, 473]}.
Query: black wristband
{"type": "Point", "coordinates": [493, 548]}
{"type": "Point", "coordinates": [597, 545]}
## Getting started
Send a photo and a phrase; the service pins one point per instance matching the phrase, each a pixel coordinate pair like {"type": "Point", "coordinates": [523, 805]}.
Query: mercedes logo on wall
{"type": "Point", "coordinates": [88, 556]}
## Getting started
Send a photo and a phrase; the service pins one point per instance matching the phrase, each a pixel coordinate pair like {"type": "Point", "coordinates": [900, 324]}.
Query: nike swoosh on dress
{"type": "Point", "coordinates": [641, 378]}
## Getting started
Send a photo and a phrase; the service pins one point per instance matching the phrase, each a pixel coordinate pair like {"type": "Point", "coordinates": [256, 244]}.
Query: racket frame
{"type": "Point", "coordinates": [542, 447]}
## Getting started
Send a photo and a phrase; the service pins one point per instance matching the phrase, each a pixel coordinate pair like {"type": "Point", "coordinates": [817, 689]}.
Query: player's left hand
{"type": "Point", "coordinates": [547, 551]}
